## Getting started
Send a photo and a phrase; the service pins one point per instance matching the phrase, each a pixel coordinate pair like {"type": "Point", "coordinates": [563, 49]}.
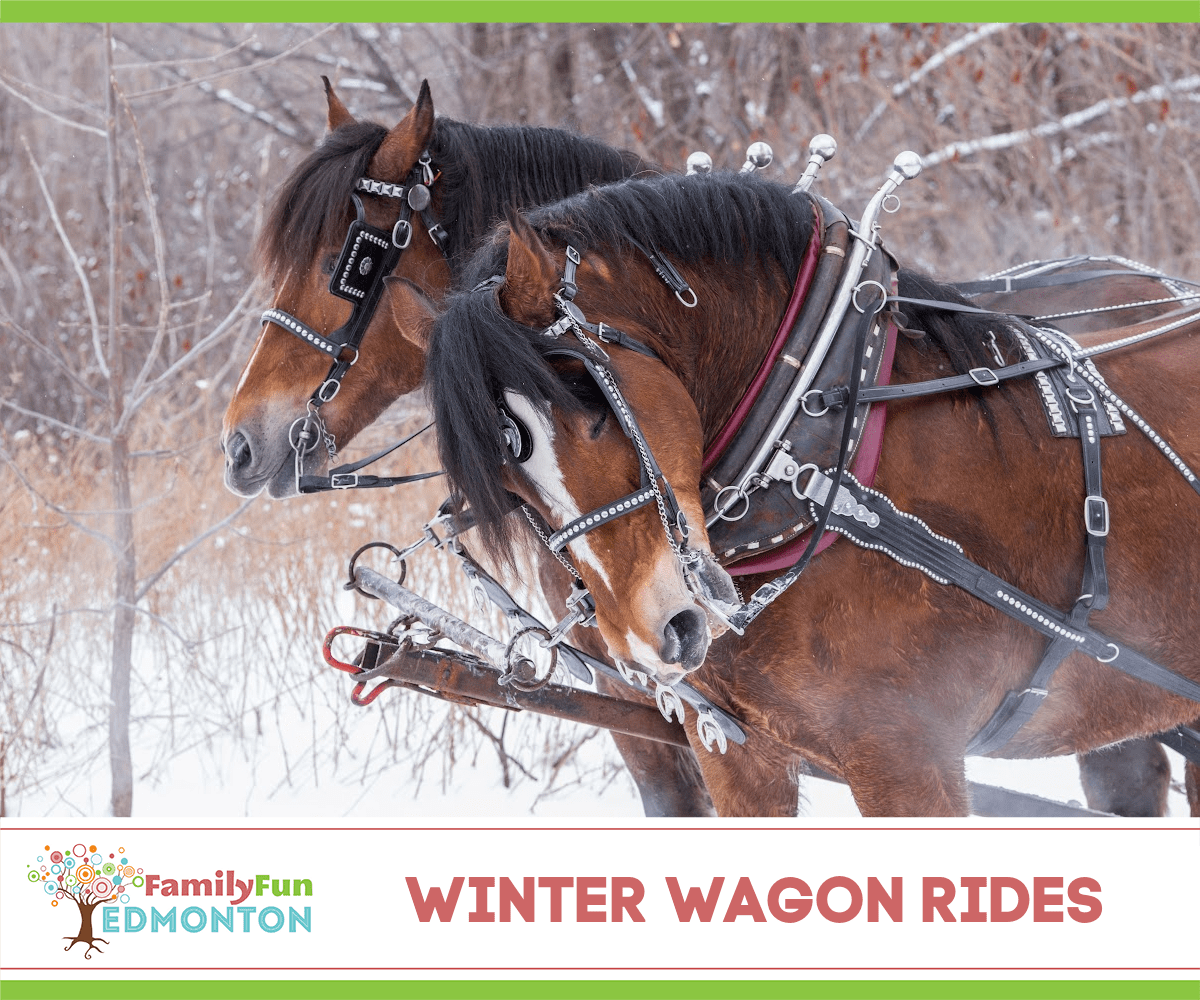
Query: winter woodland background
{"type": "Point", "coordinates": [159, 638]}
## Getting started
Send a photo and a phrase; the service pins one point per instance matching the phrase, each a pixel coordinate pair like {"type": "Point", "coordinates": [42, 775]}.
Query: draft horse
{"type": "Point", "coordinates": [331, 348]}
{"type": "Point", "coordinates": [874, 668]}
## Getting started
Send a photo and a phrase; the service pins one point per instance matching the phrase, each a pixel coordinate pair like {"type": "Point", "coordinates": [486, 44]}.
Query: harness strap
{"type": "Point", "coordinates": [602, 515]}
{"type": "Point", "coordinates": [872, 521]}
{"type": "Point", "coordinates": [346, 477]}
{"type": "Point", "coordinates": [1043, 280]}
{"type": "Point", "coordinates": [1183, 740]}
{"type": "Point", "coordinates": [836, 397]}
{"type": "Point", "coordinates": [1018, 707]}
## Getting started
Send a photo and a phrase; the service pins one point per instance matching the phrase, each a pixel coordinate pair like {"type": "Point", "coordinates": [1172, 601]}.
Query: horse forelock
{"type": "Point", "coordinates": [476, 354]}
{"type": "Point", "coordinates": [313, 207]}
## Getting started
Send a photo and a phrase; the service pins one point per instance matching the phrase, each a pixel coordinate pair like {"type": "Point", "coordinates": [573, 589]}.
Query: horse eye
{"type": "Point", "coordinates": [598, 426]}
{"type": "Point", "coordinates": [328, 263]}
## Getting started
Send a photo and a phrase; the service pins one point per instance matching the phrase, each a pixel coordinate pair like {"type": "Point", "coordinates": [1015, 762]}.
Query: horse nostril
{"type": "Point", "coordinates": [686, 638]}
{"type": "Point", "coordinates": [237, 451]}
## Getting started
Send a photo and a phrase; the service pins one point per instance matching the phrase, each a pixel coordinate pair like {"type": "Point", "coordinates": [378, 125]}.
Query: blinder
{"type": "Point", "coordinates": [368, 256]}
{"type": "Point", "coordinates": [517, 439]}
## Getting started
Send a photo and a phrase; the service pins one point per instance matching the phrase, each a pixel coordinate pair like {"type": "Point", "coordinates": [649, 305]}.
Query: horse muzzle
{"type": "Point", "coordinates": [685, 640]}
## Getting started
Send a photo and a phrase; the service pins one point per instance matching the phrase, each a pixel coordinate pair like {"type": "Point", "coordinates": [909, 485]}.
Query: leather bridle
{"type": "Point", "coordinates": [367, 257]}
{"type": "Point", "coordinates": [654, 487]}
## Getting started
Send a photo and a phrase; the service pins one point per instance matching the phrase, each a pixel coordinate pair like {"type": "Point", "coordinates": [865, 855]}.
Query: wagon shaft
{"type": "Point", "coordinates": [456, 678]}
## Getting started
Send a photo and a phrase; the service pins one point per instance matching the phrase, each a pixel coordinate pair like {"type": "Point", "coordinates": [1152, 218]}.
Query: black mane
{"type": "Point", "coordinates": [485, 170]}
{"type": "Point", "coordinates": [477, 352]}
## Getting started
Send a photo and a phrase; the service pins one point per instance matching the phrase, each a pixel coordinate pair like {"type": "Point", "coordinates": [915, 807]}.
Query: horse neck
{"type": "Point", "coordinates": [721, 352]}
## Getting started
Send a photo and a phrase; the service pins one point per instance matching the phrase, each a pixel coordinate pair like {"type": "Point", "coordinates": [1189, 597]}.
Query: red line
{"type": "Point", "coordinates": [1189, 828]}
{"type": "Point", "coordinates": [614, 968]}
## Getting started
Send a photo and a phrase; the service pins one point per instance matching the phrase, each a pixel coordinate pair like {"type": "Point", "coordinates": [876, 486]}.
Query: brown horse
{"type": "Point", "coordinates": [868, 668]}
{"type": "Point", "coordinates": [475, 173]}
{"type": "Point", "coordinates": [1087, 294]}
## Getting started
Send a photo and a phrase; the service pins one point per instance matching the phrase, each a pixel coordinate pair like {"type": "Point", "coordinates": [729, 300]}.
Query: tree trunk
{"type": "Point", "coordinates": [125, 575]}
{"type": "Point", "coordinates": [85, 935]}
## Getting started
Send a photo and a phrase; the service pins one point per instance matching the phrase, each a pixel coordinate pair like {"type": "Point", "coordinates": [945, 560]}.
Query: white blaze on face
{"type": "Point", "coordinates": [246, 370]}
{"type": "Point", "coordinates": [543, 472]}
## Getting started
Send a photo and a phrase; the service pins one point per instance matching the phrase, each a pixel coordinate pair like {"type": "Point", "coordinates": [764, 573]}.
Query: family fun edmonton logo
{"type": "Point", "coordinates": [100, 886]}
{"type": "Point", "coordinates": [82, 875]}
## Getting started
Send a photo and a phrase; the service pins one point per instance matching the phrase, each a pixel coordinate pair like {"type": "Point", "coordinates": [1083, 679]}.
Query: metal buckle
{"type": "Point", "coordinates": [1095, 512]}
{"type": "Point", "coordinates": [336, 383]}
{"type": "Point", "coordinates": [1081, 401]}
{"type": "Point", "coordinates": [343, 481]}
{"type": "Point", "coordinates": [984, 376]}
{"type": "Point", "coordinates": [407, 230]}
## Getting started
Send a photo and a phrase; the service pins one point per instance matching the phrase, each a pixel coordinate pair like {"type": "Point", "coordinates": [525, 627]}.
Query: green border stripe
{"type": "Point", "coordinates": [15, 11]}
{"type": "Point", "coordinates": [670, 989]}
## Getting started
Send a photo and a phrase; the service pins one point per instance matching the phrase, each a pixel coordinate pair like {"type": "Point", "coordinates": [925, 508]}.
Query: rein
{"type": "Point", "coordinates": [367, 257]}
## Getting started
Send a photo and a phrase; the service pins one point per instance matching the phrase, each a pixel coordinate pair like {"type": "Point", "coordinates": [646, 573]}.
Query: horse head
{"type": "Point", "coordinates": [570, 423]}
{"type": "Point", "coordinates": [363, 179]}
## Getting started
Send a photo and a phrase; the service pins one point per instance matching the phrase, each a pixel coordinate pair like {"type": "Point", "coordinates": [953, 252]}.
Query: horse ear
{"type": "Point", "coordinates": [413, 311]}
{"type": "Point", "coordinates": [338, 115]}
{"type": "Point", "coordinates": [531, 278]}
{"type": "Point", "coordinates": [404, 143]}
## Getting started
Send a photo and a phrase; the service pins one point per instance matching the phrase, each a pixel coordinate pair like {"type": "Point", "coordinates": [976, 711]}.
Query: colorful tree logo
{"type": "Point", "coordinates": [88, 878]}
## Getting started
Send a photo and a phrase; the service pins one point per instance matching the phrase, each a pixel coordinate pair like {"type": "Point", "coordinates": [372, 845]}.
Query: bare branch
{"type": "Point", "coordinates": [214, 338]}
{"type": "Point", "coordinates": [160, 261]}
{"type": "Point", "coordinates": [47, 112]}
{"type": "Point", "coordinates": [109, 542]}
{"type": "Point", "coordinates": [1073, 120]}
{"type": "Point", "coordinates": [198, 60]}
{"type": "Point", "coordinates": [154, 577]}
{"type": "Point", "coordinates": [935, 61]}
{"type": "Point", "coordinates": [69, 428]}
{"type": "Point", "coordinates": [204, 83]}
{"type": "Point", "coordinates": [75, 262]}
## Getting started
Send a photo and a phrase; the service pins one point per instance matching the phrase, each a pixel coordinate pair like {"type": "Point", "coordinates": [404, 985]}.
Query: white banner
{"type": "Point", "coordinates": [759, 899]}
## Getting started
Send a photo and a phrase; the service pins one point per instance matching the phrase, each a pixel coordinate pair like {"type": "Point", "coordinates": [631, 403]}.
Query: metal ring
{"type": "Point", "coordinates": [796, 491]}
{"type": "Point", "coordinates": [510, 676]}
{"type": "Point", "coordinates": [890, 203]}
{"type": "Point", "coordinates": [352, 584]}
{"type": "Point", "coordinates": [804, 403]}
{"type": "Point", "coordinates": [1084, 401]}
{"type": "Point", "coordinates": [724, 514]}
{"type": "Point", "coordinates": [864, 284]}
{"type": "Point", "coordinates": [1116, 653]}
{"type": "Point", "coordinates": [299, 440]}
{"type": "Point", "coordinates": [695, 301]}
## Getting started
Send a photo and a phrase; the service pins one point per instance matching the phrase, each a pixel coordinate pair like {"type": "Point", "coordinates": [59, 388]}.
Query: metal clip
{"type": "Point", "coordinates": [784, 468]}
{"type": "Point", "coordinates": [710, 732]}
{"type": "Point", "coordinates": [667, 699]}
